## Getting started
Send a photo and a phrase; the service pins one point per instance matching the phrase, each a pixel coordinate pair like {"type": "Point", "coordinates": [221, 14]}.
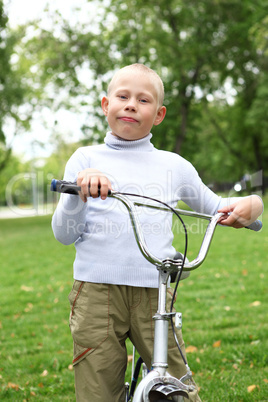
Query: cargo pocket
{"type": "Point", "coordinates": [89, 317]}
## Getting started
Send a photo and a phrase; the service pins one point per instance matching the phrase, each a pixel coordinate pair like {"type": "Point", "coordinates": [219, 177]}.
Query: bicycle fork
{"type": "Point", "coordinates": [159, 384]}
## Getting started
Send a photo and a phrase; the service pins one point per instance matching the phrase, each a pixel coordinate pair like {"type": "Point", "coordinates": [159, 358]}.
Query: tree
{"type": "Point", "coordinates": [14, 91]}
{"type": "Point", "coordinates": [198, 47]}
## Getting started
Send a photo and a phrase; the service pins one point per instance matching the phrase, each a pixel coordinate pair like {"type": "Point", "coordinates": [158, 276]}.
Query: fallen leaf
{"type": "Point", "coordinates": [26, 288]}
{"type": "Point", "coordinates": [235, 366]}
{"type": "Point", "coordinates": [44, 374]}
{"type": "Point", "coordinates": [41, 385]}
{"type": "Point", "coordinates": [70, 367]}
{"type": "Point", "coordinates": [255, 303]}
{"type": "Point", "coordinates": [245, 272]}
{"type": "Point", "coordinates": [13, 386]}
{"type": "Point", "coordinates": [216, 344]}
{"type": "Point", "coordinates": [130, 358]}
{"type": "Point", "coordinates": [227, 308]}
{"type": "Point", "coordinates": [265, 380]}
{"type": "Point", "coordinates": [251, 387]}
{"type": "Point", "coordinates": [255, 342]}
{"type": "Point", "coordinates": [191, 349]}
{"type": "Point", "coordinates": [29, 308]}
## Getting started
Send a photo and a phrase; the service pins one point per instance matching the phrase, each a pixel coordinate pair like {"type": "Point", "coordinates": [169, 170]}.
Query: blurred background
{"type": "Point", "coordinates": [56, 58]}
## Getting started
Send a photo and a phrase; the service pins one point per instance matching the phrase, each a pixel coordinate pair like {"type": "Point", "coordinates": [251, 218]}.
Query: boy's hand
{"type": "Point", "coordinates": [97, 182]}
{"type": "Point", "coordinates": [241, 213]}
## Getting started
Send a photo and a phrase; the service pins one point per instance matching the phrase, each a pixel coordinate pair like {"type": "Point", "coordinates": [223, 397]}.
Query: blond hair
{"type": "Point", "coordinates": [156, 80]}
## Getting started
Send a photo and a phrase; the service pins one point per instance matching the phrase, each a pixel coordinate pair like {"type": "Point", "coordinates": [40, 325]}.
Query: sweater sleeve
{"type": "Point", "coordinates": [196, 194]}
{"type": "Point", "coordinates": [69, 218]}
{"type": "Point", "coordinates": [201, 198]}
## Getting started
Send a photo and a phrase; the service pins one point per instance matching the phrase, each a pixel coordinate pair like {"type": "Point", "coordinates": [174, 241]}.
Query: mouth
{"type": "Point", "coordinates": [128, 119]}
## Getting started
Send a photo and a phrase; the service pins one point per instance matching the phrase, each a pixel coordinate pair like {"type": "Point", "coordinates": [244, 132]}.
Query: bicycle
{"type": "Point", "coordinates": [158, 385]}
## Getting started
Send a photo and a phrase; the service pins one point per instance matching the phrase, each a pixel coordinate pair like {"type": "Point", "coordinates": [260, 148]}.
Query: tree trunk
{"type": "Point", "coordinates": [183, 127]}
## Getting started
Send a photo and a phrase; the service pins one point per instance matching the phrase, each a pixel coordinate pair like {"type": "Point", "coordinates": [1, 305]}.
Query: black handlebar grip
{"type": "Point", "coordinates": [68, 187]}
{"type": "Point", "coordinates": [256, 226]}
{"type": "Point", "coordinates": [61, 186]}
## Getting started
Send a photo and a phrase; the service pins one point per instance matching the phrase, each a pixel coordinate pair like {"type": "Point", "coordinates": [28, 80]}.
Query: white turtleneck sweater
{"type": "Point", "coordinates": [106, 250]}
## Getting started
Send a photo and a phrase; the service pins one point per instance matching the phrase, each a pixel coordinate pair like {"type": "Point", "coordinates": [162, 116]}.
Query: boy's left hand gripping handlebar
{"type": "Point", "coordinates": [68, 187]}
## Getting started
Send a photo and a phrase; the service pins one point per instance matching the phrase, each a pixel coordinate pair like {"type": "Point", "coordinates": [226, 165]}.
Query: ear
{"type": "Point", "coordinates": [104, 105]}
{"type": "Point", "coordinates": [160, 115]}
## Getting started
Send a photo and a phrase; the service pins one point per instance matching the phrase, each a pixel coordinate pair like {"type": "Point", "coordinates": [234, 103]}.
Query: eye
{"type": "Point", "coordinates": [143, 100]}
{"type": "Point", "coordinates": [123, 97]}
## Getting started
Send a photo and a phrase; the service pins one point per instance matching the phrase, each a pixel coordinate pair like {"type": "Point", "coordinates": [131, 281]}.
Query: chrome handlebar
{"type": "Point", "coordinates": [72, 188]}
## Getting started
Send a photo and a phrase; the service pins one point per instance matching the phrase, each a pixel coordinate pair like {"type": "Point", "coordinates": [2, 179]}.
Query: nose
{"type": "Point", "coordinates": [131, 105]}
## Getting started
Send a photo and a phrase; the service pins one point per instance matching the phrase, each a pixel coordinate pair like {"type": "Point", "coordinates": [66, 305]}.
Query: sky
{"type": "Point", "coordinates": [27, 145]}
{"type": "Point", "coordinates": [20, 11]}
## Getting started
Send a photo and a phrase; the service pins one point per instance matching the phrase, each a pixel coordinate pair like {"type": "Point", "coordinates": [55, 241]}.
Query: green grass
{"type": "Point", "coordinates": [224, 305]}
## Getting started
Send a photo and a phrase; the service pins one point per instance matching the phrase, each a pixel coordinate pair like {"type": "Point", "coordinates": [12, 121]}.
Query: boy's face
{"type": "Point", "coordinates": [132, 106]}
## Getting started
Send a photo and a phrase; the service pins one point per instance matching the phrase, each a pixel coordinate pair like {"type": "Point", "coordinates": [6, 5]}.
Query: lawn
{"type": "Point", "coordinates": [224, 306]}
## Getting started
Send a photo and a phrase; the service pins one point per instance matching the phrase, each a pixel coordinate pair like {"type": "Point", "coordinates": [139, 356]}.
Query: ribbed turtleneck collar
{"type": "Point", "coordinates": [143, 145]}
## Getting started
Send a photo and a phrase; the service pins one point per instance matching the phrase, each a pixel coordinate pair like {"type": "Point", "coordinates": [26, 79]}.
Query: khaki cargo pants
{"type": "Point", "coordinates": [102, 318]}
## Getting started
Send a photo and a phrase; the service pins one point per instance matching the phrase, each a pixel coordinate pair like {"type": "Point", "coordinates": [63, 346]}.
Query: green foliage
{"type": "Point", "coordinates": [13, 88]}
{"type": "Point", "coordinates": [10, 177]}
{"type": "Point", "coordinates": [198, 47]}
{"type": "Point", "coordinates": [19, 180]}
{"type": "Point", "coordinates": [54, 166]}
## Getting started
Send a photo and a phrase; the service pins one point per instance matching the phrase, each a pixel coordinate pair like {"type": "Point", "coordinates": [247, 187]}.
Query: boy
{"type": "Point", "coordinates": [114, 295]}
